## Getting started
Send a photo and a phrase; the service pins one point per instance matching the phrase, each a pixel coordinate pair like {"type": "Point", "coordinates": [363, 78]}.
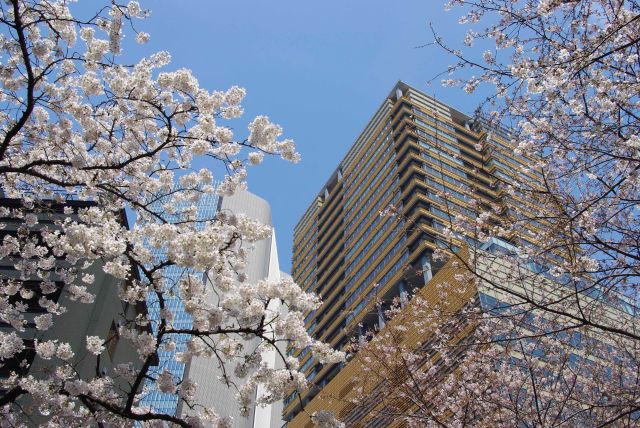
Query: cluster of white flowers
{"type": "Point", "coordinates": [325, 419]}
{"type": "Point", "coordinates": [264, 135]}
{"type": "Point", "coordinates": [95, 345]}
{"type": "Point", "coordinates": [166, 383]}
{"type": "Point", "coordinates": [45, 350]}
{"type": "Point", "coordinates": [10, 344]}
{"type": "Point", "coordinates": [187, 389]}
{"type": "Point", "coordinates": [64, 352]}
{"type": "Point", "coordinates": [211, 418]}
{"type": "Point", "coordinates": [44, 321]}
{"type": "Point", "coordinates": [144, 342]}
{"type": "Point", "coordinates": [96, 140]}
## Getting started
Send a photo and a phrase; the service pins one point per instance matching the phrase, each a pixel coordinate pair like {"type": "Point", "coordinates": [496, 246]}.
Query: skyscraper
{"type": "Point", "coordinates": [417, 158]}
{"type": "Point", "coordinates": [159, 401]}
{"type": "Point", "coordinates": [213, 392]}
{"type": "Point", "coordinates": [262, 263]}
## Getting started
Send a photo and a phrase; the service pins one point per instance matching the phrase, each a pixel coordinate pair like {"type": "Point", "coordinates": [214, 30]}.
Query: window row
{"type": "Point", "coordinates": [441, 174]}
{"type": "Point", "coordinates": [439, 132]}
{"type": "Point", "coordinates": [457, 171]}
{"type": "Point", "coordinates": [433, 183]}
{"type": "Point", "coordinates": [351, 202]}
{"type": "Point", "coordinates": [373, 241]}
{"type": "Point", "coordinates": [371, 194]}
{"type": "Point", "coordinates": [366, 168]}
{"type": "Point", "coordinates": [375, 210]}
{"type": "Point", "coordinates": [372, 293]}
{"type": "Point", "coordinates": [438, 144]}
{"type": "Point", "coordinates": [433, 119]}
{"type": "Point", "coordinates": [375, 271]}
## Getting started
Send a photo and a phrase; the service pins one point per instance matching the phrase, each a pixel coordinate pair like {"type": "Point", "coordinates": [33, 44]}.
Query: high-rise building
{"type": "Point", "coordinates": [420, 160]}
{"type": "Point", "coordinates": [262, 263]}
{"type": "Point", "coordinates": [159, 401]}
{"type": "Point", "coordinates": [213, 392]}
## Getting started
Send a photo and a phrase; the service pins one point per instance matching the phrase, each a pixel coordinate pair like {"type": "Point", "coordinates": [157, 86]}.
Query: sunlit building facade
{"type": "Point", "coordinates": [370, 234]}
{"type": "Point", "coordinates": [262, 263]}
{"type": "Point", "coordinates": [212, 392]}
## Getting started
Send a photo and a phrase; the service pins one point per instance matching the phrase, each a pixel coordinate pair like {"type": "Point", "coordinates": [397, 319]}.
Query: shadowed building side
{"type": "Point", "coordinates": [103, 317]}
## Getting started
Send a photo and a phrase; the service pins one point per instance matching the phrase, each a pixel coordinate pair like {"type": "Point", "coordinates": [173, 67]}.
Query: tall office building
{"type": "Point", "coordinates": [157, 400]}
{"type": "Point", "coordinates": [262, 263]}
{"type": "Point", "coordinates": [212, 392]}
{"type": "Point", "coordinates": [425, 162]}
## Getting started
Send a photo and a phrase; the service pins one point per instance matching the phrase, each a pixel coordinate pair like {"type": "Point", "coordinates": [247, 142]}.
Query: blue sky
{"type": "Point", "coordinates": [319, 69]}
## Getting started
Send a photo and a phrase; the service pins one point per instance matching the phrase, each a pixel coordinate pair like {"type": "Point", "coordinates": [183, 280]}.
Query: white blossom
{"type": "Point", "coordinates": [10, 344]}
{"type": "Point", "coordinates": [44, 321]}
{"type": "Point", "coordinates": [45, 350]}
{"type": "Point", "coordinates": [64, 352]}
{"type": "Point", "coordinates": [95, 345]}
{"type": "Point", "coordinates": [166, 383]}
{"type": "Point", "coordinates": [325, 419]}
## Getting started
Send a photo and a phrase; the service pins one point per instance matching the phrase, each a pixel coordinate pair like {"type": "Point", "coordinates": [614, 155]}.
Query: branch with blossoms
{"type": "Point", "coordinates": [557, 342]}
{"type": "Point", "coordinates": [84, 140]}
{"type": "Point", "coordinates": [571, 96]}
{"type": "Point", "coordinates": [448, 358]}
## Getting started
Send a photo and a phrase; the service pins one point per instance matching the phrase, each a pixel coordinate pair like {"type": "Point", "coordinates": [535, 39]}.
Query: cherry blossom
{"type": "Point", "coordinates": [560, 345]}
{"type": "Point", "coordinates": [79, 125]}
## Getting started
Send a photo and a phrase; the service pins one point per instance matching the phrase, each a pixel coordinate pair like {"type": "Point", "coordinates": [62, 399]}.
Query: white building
{"type": "Point", "coordinates": [262, 263]}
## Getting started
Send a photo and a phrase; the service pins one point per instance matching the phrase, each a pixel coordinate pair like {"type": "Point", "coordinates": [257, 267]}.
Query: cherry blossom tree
{"type": "Point", "coordinates": [78, 125]}
{"type": "Point", "coordinates": [563, 80]}
{"type": "Point", "coordinates": [455, 355]}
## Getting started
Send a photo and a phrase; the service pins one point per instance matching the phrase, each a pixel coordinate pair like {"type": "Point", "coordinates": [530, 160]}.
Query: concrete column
{"type": "Point", "coordinates": [427, 274]}
{"type": "Point", "coordinates": [381, 321]}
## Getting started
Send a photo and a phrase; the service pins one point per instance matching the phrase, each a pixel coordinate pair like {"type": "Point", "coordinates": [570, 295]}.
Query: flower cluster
{"type": "Point", "coordinates": [85, 140]}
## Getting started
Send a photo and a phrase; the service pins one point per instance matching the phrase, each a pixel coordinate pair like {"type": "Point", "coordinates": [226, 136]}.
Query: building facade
{"type": "Point", "coordinates": [101, 318]}
{"type": "Point", "coordinates": [262, 263]}
{"type": "Point", "coordinates": [376, 389]}
{"type": "Point", "coordinates": [212, 392]}
{"type": "Point", "coordinates": [370, 234]}
{"type": "Point", "coordinates": [153, 398]}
